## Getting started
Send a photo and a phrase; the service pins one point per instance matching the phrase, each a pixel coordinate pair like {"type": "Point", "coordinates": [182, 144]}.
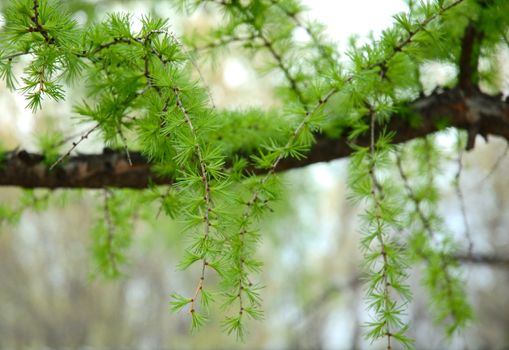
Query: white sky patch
{"type": "Point", "coordinates": [300, 35]}
{"type": "Point", "coordinates": [24, 118]}
{"type": "Point", "coordinates": [235, 73]}
{"type": "Point", "coordinates": [344, 18]}
{"type": "Point", "coordinates": [322, 174]}
{"type": "Point", "coordinates": [163, 9]}
{"type": "Point", "coordinates": [81, 17]}
{"type": "Point", "coordinates": [135, 9]}
{"type": "Point", "coordinates": [437, 74]}
{"type": "Point", "coordinates": [136, 20]}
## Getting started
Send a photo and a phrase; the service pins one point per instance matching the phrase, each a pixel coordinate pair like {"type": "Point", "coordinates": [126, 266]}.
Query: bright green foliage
{"type": "Point", "coordinates": [141, 94]}
{"type": "Point", "coordinates": [386, 260]}
{"type": "Point", "coordinates": [111, 234]}
{"type": "Point", "coordinates": [430, 240]}
{"type": "Point", "coordinates": [28, 200]}
{"type": "Point", "coordinates": [41, 30]}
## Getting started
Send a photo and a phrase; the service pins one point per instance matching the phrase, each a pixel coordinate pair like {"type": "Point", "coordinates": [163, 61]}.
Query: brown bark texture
{"type": "Point", "coordinates": [472, 110]}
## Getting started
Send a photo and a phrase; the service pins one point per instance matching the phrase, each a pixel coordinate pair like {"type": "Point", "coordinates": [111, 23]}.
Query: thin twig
{"type": "Point", "coordinates": [206, 197]}
{"type": "Point", "coordinates": [74, 145]}
{"type": "Point", "coordinates": [14, 55]}
{"type": "Point", "coordinates": [286, 70]}
{"type": "Point", "coordinates": [461, 199]}
{"type": "Point", "coordinates": [195, 66]}
{"type": "Point", "coordinates": [428, 228]}
{"type": "Point", "coordinates": [495, 166]}
{"type": "Point", "coordinates": [375, 194]}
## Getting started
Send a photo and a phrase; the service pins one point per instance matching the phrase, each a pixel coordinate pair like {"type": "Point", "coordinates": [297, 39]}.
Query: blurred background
{"type": "Point", "coordinates": [313, 298]}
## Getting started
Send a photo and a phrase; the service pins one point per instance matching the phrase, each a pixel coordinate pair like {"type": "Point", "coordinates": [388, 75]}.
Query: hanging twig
{"type": "Point", "coordinates": [461, 198]}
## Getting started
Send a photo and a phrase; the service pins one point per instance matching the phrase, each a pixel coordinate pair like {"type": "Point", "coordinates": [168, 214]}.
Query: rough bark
{"type": "Point", "coordinates": [489, 115]}
{"type": "Point", "coordinates": [108, 169]}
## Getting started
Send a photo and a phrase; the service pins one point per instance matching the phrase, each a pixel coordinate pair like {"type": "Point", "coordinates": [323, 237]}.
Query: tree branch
{"type": "Point", "coordinates": [109, 169]}
{"type": "Point", "coordinates": [468, 77]}
{"type": "Point", "coordinates": [483, 259]}
{"type": "Point", "coordinates": [421, 117]}
{"type": "Point", "coordinates": [469, 59]}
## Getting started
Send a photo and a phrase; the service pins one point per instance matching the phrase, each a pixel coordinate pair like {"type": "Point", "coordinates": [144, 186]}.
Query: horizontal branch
{"type": "Point", "coordinates": [107, 169]}
{"type": "Point", "coordinates": [487, 115]}
{"type": "Point", "coordinates": [483, 259]}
